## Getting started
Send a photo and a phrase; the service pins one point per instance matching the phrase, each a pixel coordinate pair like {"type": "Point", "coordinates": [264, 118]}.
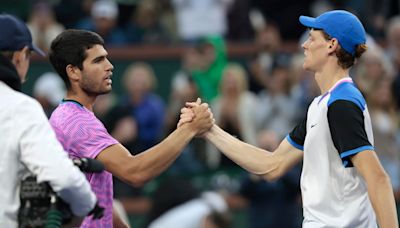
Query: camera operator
{"type": "Point", "coordinates": [28, 143]}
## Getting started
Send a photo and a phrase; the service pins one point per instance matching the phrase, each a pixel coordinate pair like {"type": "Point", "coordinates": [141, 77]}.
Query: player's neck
{"type": "Point", "coordinates": [85, 100]}
{"type": "Point", "coordinates": [328, 77]}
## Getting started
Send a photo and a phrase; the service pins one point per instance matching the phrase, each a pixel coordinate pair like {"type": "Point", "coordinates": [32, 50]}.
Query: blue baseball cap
{"type": "Point", "coordinates": [339, 24]}
{"type": "Point", "coordinates": [15, 35]}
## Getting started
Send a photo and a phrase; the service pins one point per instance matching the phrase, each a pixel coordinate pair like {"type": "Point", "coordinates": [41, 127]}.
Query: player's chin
{"type": "Point", "coordinates": [305, 66]}
{"type": "Point", "coordinates": [106, 90]}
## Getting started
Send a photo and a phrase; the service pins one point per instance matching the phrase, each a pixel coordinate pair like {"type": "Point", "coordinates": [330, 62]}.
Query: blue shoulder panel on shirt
{"type": "Point", "coordinates": [347, 91]}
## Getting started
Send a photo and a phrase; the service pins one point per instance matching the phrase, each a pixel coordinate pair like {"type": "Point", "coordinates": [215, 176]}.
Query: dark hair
{"type": "Point", "coordinates": [70, 47]}
{"type": "Point", "coordinates": [346, 59]}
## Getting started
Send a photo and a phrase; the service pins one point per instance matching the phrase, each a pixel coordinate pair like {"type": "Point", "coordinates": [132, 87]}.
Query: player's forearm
{"type": "Point", "coordinates": [382, 199]}
{"type": "Point", "coordinates": [249, 157]}
{"type": "Point", "coordinates": [155, 160]}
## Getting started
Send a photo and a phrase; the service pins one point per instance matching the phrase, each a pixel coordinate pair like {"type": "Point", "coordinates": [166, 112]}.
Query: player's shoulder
{"type": "Point", "coordinates": [347, 92]}
{"type": "Point", "coordinates": [69, 114]}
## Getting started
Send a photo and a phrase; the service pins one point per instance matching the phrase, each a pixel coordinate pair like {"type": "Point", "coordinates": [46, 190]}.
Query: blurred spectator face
{"type": "Point", "coordinates": [393, 38]}
{"type": "Point", "coordinates": [139, 79]}
{"type": "Point", "coordinates": [146, 14]}
{"type": "Point", "coordinates": [208, 55]}
{"type": "Point", "coordinates": [42, 15]}
{"type": "Point", "coordinates": [269, 39]}
{"type": "Point", "coordinates": [230, 82]}
{"type": "Point", "coordinates": [279, 82]}
{"type": "Point", "coordinates": [381, 95]}
{"type": "Point", "coordinates": [104, 25]}
{"type": "Point", "coordinates": [374, 66]}
{"type": "Point", "coordinates": [104, 14]}
{"type": "Point", "coordinates": [191, 59]}
{"type": "Point", "coordinates": [233, 80]}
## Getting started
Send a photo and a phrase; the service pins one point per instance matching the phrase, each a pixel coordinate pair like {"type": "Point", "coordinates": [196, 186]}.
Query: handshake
{"type": "Point", "coordinates": [197, 116]}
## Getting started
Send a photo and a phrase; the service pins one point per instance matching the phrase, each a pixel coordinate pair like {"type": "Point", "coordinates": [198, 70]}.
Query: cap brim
{"type": "Point", "coordinates": [38, 50]}
{"type": "Point", "coordinates": [309, 22]}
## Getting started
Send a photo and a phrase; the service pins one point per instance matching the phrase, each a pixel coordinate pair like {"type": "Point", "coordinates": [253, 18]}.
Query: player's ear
{"type": "Point", "coordinates": [73, 72]}
{"type": "Point", "coordinates": [333, 44]}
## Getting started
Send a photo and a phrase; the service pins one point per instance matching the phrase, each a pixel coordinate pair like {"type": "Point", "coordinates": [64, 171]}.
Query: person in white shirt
{"type": "Point", "coordinates": [343, 183]}
{"type": "Point", "coordinates": [29, 145]}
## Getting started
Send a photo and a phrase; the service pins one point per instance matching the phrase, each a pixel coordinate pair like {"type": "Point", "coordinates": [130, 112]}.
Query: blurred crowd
{"type": "Point", "coordinates": [259, 100]}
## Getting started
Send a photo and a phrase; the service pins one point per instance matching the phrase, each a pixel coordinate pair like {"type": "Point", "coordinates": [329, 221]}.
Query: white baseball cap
{"type": "Point", "coordinates": [105, 9]}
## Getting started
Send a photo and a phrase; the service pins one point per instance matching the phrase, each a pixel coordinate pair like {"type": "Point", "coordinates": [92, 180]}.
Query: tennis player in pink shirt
{"type": "Point", "coordinates": [80, 59]}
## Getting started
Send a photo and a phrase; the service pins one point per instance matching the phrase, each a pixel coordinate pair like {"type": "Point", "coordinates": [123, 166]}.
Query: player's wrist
{"type": "Point", "coordinates": [188, 129]}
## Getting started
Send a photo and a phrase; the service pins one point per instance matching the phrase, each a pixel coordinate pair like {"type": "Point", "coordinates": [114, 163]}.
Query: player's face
{"type": "Point", "coordinates": [97, 72]}
{"type": "Point", "coordinates": [315, 51]}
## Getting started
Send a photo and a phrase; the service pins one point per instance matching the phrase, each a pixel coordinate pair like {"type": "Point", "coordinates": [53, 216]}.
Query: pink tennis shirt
{"type": "Point", "coordinates": [83, 135]}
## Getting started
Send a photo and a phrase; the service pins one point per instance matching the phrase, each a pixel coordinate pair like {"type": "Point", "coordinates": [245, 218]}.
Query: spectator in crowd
{"type": "Point", "coordinates": [385, 123]}
{"type": "Point", "coordinates": [234, 111]}
{"type": "Point", "coordinates": [49, 90]}
{"type": "Point", "coordinates": [239, 24]}
{"type": "Point", "coordinates": [268, 42]}
{"type": "Point", "coordinates": [374, 66]}
{"type": "Point", "coordinates": [198, 19]}
{"type": "Point", "coordinates": [393, 52]}
{"type": "Point", "coordinates": [71, 12]}
{"type": "Point", "coordinates": [137, 121]}
{"type": "Point", "coordinates": [145, 25]}
{"type": "Point", "coordinates": [283, 13]}
{"type": "Point", "coordinates": [280, 109]}
{"type": "Point", "coordinates": [305, 88]}
{"type": "Point", "coordinates": [103, 20]}
{"type": "Point", "coordinates": [43, 25]}
{"type": "Point", "coordinates": [212, 62]}
{"type": "Point", "coordinates": [183, 89]}
{"type": "Point", "coordinates": [144, 105]}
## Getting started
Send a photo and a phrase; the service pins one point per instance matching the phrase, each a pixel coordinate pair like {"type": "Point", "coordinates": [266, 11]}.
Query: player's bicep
{"type": "Point", "coordinates": [291, 155]}
{"type": "Point", "coordinates": [368, 165]}
{"type": "Point", "coordinates": [116, 159]}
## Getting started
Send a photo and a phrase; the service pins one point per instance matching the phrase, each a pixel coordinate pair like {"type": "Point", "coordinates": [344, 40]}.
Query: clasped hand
{"type": "Point", "coordinates": [198, 115]}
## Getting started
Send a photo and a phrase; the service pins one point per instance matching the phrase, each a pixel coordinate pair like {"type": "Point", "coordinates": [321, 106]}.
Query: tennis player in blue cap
{"type": "Point", "coordinates": [343, 183]}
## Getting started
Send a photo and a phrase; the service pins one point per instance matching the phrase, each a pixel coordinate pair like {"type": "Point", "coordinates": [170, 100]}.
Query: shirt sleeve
{"type": "Point", "coordinates": [44, 156]}
{"type": "Point", "coordinates": [298, 135]}
{"type": "Point", "coordinates": [85, 136]}
{"type": "Point", "coordinates": [346, 124]}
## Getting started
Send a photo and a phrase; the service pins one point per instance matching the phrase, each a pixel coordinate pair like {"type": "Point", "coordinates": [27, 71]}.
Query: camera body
{"type": "Point", "coordinates": [42, 207]}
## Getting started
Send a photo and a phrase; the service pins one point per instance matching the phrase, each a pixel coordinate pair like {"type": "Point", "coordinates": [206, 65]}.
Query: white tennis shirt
{"type": "Point", "coordinates": [337, 126]}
